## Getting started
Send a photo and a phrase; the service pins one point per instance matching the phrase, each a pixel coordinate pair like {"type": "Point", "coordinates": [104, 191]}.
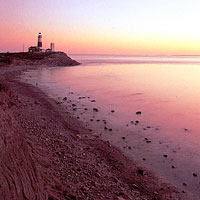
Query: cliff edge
{"type": "Point", "coordinates": [42, 58]}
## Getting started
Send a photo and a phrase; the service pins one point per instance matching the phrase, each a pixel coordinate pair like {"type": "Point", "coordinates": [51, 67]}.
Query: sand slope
{"type": "Point", "coordinates": [47, 154]}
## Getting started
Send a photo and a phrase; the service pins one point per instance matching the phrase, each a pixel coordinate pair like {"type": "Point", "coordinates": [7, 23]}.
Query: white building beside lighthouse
{"type": "Point", "coordinates": [38, 48]}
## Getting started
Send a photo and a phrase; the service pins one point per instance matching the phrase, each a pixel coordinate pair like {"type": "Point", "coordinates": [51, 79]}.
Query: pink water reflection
{"type": "Point", "coordinates": [168, 95]}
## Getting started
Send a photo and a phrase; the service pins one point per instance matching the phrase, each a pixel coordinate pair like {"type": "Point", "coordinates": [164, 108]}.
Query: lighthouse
{"type": "Point", "coordinates": [39, 40]}
{"type": "Point", "coordinates": [38, 48]}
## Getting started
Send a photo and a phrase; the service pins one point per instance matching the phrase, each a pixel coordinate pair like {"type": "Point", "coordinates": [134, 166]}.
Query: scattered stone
{"type": "Point", "coordinates": [79, 169]}
{"type": "Point", "coordinates": [156, 129]}
{"type": "Point", "coordinates": [91, 120]}
{"type": "Point", "coordinates": [137, 122]}
{"type": "Point", "coordinates": [138, 113]}
{"type": "Point", "coordinates": [110, 129]}
{"type": "Point", "coordinates": [58, 153]}
{"type": "Point", "coordinates": [146, 138]}
{"type": "Point", "coordinates": [148, 126]}
{"type": "Point", "coordinates": [129, 147]}
{"type": "Point", "coordinates": [65, 99]}
{"type": "Point", "coordinates": [132, 122]}
{"type": "Point", "coordinates": [105, 128]}
{"type": "Point", "coordinates": [165, 156]}
{"type": "Point", "coordinates": [95, 109]}
{"type": "Point", "coordinates": [144, 159]}
{"type": "Point", "coordinates": [72, 197]}
{"type": "Point", "coordinates": [112, 111]}
{"type": "Point", "coordinates": [140, 172]}
{"type": "Point", "coordinates": [123, 138]}
{"type": "Point", "coordinates": [184, 184]}
{"type": "Point", "coordinates": [85, 109]}
{"type": "Point", "coordinates": [78, 136]}
{"type": "Point", "coordinates": [173, 167]}
{"type": "Point", "coordinates": [120, 198]}
{"type": "Point", "coordinates": [109, 145]}
{"type": "Point", "coordinates": [148, 141]}
{"type": "Point", "coordinates": [98, 120]}
{"type": "Point", "coordinates": [93, 101]}
{"type": "Point", "coordinates": [194, 174]}
{"type": "Point", "coordinates": [186, 130]}
{"type": "Point", "coordinates": [134, 186]}
{"type": "Point", "coordinates": [73, 105]}
{"type": "Point", "coordinates": [121, 193]}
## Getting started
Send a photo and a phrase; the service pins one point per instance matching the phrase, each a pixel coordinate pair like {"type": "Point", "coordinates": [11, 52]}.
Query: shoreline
{"type": "Point", "coordinates": [76, 164]}
{"type": "Point", "coordinates": [154, 142]}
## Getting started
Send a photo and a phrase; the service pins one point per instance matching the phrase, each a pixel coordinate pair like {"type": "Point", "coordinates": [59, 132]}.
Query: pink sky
{"type": "Point", "coordinates": [102, 27]}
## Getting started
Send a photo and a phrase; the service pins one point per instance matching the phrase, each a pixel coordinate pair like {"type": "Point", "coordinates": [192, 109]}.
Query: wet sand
{"type": "Point", "coordinates": [47, 153]}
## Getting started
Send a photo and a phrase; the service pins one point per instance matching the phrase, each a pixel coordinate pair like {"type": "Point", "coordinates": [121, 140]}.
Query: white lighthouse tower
{"type": "Point", "coordinates": [39, 41]}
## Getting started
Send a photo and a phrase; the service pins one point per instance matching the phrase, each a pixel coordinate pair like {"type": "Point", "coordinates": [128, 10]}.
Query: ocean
{"type": "Point", "coordinates": [147, 106]}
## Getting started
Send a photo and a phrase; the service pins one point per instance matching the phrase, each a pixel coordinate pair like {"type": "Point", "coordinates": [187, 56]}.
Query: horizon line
{"type": "Point", "coordinates": [103, 54]}
{"type": "Point", "coordinates": [136, 55]}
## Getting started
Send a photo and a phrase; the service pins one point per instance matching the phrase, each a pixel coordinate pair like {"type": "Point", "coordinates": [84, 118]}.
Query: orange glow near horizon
{"type": "Point", "coordinates": [105, 43]}
{"type": "Point", "coordinates": [137, 28]}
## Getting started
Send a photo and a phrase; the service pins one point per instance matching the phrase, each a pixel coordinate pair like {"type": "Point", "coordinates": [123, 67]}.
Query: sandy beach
{"type": "Point", "coordinates": [46, 153]}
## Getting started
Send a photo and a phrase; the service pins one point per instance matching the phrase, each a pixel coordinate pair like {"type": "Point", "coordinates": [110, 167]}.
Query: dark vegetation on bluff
{"type": "Point", "coordinates": [42, 58]}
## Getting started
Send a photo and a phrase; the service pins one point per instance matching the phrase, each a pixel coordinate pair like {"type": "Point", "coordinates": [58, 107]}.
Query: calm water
{"type": "Point", "coordinates": [165, 89]}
